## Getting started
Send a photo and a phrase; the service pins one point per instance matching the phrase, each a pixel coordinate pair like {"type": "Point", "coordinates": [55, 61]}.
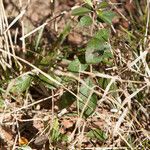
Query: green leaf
{"type": "Point", "coordinates": [86, 21]}
{"type": "Point", "coordinates": [102, 35]}
{"type": "Point", "coordinates": [80, 11]}
{"type": "Point", "coordinates": [106, 16]}
{"type": "Point", "coordinates": [84, 94]}
{"type": "Point", "coordinates": [2, 104]}
{"type": "Point", "coordinates": [94, 43]}
{"type": "Point", "coordinates": [20, 84]}
{"type": "Point", "coordinates": [103, 5]}
{"type": "Point", "coordinates": [46, 60]}
{"type": "Point", "coordinates": [64, 34]}
{"type": "Point", "coordinates": [103, 82]}
{"type": "Point", "coordinates": [67, 80]}
{"type": "Point", "coordinates": [48, 83]}
{"type": "Point", "coordinates": [38, 39]}
{"type": "Point", "coordinates": [64, 137]}
{"type": "Point", "coordinates": [89, 2]}
{"type": "Point", "coordinates": [54, 134]}
{"type": "Point", "coordinates": [97, 134]}
{"type": "Point", "coordinates": [76, 66]}
{"type": "Point", "coordinates": [107, 54]}
{"type": "Point", "coordinates": [97, 48]}
{"type": "Point", "coordinates": [95, 51]}
{"type": "Point", "coordinates": [66, 100]}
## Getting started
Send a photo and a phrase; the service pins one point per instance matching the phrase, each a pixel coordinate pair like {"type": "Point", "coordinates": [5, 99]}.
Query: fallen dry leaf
{"type": "Point", "coordinates": [67, 123]}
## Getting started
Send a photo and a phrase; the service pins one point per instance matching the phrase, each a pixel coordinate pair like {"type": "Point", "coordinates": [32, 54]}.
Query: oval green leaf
{"type": "Point", "coordinates": [66, 100]}
{"type": "Point", "coordinates": [76, 66]}
{"type": "Point", "coordinates": [84, 94]}
{"type": "Point", "coordinates": [20, 84]}
{"type": "Point", "coordinates": [86, 21]}
{"type": "Point", "coordinates": [80, 11]}
{"type": "Point", "coordinates": [106, 16]}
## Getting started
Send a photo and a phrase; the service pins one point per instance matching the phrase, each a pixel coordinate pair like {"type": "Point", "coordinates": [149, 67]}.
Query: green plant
{"type": "Point", "coordinates": [80, 77]}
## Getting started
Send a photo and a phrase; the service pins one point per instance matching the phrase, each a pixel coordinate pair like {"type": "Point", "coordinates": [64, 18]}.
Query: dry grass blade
{"type": "Point", "coordinates": [74, 74]}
